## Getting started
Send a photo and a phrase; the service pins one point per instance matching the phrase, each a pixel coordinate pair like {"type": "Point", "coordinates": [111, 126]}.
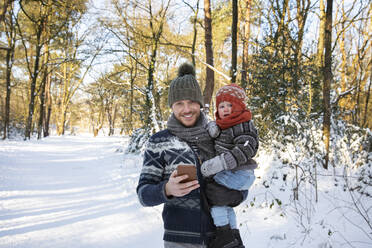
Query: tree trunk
{"type": "Point", "coordinates": [42, 93]}
{"type": "Point", "coordinates": [364, 123]}
{"type": "Point", "coordinates": [133, 75]}
{"type": "Point", "coordinates": [247, 31]}
{"type": "Point", "coordinates": [301, 17]}
{"type": "Point", "coordinates": [320, 49]}
{"type": "Point", "coordinates": [234, 40]}
{"type": "Point", "coordinates": [109, 118]}
{"type": "Point", "coordinates": [10, 32]}
{"type": "Point", "coordinates": [5, 6]}
{"type": "Point", "coordinates": [9, 64]}
{"type": "Point", "coordinates": [327, 74]}
{"type": "Point", "coordinates": [282, 23]}
{"type": "Point", "coordinates": [209, 80]}
{"type": "Point", "coordinates": [151, 120]}
{"type": "Point", "coordinates": [48, 107]}
{"type": "Point", "coordinates": [368, 74]}
{"type": "Point", "coordinates": [45, 77]}
{"type": "Point", "coordinates": [32, 90]}
{"type": "Point", "coordinates": [41, 108]}
{"type": "Point", "coordinates": [195, 34]}
{"type": "Point", "coordinates": [112, 127]}
{"type": "Point", "coordinates": [343, 102]}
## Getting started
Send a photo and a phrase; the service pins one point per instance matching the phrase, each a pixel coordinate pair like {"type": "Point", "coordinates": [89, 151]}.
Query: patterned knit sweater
{"type": "Point", "coordinates": [185, 219]}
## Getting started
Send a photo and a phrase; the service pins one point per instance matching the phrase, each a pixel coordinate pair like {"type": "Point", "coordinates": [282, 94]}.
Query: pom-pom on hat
{"type": "Point", "coordinates": [185, 86]}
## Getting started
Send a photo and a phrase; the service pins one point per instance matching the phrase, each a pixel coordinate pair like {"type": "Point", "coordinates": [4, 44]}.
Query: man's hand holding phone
{"type": "Point", "coordinates": [182, 181]}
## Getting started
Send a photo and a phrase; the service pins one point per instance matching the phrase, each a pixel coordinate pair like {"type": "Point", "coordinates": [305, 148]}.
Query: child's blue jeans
{"type": "Point", "coordinates": [239, 180]}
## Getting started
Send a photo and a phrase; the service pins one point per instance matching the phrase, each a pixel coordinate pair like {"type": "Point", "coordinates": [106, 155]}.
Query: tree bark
{"type": "Point", "coordinates": [195, 34]}
{"type": "Point", "coordinates": [43, 88]}
{"type": "Point", "coordinates": [9, 64]}
{"type": "Point", "coordinates": [234, 40]}
{"type": "Point", "coordinates": [6, 4]}
{"type": "Point", "coordinates": [11, 36]}
{"type": "Point", "coordinates": [328, 78]}
{"type": "Point", "coordinates": [320, 49]}
{"type": "Point", "coordinates": [10, 31]}
{"type": "Point", "coordinates": [35, 74]}
{"type": "Point", "coordinates": [209, 80]}
{"type": "Point", "coordinates": [48, 107]}
{"type": "Point", "coordinates": [247, 31]}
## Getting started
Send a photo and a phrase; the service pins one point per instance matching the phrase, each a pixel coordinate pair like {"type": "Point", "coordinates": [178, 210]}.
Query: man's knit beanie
{"type": "Point", "coordinates": [231, 93]}
{"type": "Point", "coordinates": [185, 86]}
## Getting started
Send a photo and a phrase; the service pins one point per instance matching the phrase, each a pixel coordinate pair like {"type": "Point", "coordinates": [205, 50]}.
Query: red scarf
{"type": "Point", "coordinates": [238, 115]}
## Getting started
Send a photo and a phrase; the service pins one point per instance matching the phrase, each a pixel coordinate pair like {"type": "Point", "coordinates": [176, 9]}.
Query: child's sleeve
{"type": "Point", "coordinates": [245, 145]}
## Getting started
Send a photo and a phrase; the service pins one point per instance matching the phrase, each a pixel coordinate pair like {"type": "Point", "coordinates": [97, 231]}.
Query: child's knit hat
{"type": "Point", "coordinates": [235, 95]}
{"type": "Point", "coordinates": [231, 93]}
{"type": "Point", "coordinates": [185, 86]}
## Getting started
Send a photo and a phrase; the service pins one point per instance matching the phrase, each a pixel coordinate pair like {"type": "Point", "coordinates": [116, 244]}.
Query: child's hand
{"type": "Point", "coordinates": [213, 166]}
{"type": "Point", "coordinates": [213, 129]}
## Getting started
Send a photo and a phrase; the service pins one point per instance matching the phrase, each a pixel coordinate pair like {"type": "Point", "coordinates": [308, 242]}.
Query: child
{"type": "Point", "coordinates": [236, 143]}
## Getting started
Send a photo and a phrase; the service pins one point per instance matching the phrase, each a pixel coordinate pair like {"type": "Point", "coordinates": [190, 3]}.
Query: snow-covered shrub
{"type": "Point", "coordinates": [292, 182]}
{"type": "Point", "coordinates": [15, 131]}
{"type": "Point", "coordinates": [138, 140]}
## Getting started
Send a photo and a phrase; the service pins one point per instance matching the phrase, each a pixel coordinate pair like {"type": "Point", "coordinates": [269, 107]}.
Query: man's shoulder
{"type": "Point", "coordinates": [165, 140]}
{"type": "Point", "coordinates": [161, 136]}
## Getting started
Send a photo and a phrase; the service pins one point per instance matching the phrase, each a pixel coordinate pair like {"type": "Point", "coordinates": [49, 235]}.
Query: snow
{"type": "Point", "coordinates": [73, 192]}
{"type": "Point", "coordinates": [79, 191]}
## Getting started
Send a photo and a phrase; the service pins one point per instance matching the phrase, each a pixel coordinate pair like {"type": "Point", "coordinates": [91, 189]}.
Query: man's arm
{"type": "Point", "coordinates": [153, 189]}
{"type": "Point", "coordinates": [151, 184]}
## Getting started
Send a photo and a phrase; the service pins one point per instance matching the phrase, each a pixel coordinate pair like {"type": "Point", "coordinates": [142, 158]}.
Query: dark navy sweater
{"type": "Point", "coordinates": [186, 219]}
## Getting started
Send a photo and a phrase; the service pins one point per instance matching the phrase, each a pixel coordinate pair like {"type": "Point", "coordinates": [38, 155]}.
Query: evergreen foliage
{"type": "Point", "coordinates": [280, 86]}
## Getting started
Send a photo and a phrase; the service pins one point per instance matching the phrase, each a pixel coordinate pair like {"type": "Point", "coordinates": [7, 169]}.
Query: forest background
{"type": "Point", "coordinates": [84, 66]}
{"type": "Point", "coordinates": [104, 67]}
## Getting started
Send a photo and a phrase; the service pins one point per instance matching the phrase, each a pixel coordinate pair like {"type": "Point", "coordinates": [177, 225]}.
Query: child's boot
{"type": "Point", "coordinates": [224, 238]}
{"type": "Point", "coordinates": [236, 234]}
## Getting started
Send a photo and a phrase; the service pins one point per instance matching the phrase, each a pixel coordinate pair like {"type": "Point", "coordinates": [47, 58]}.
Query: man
{"type": "Point", "coordinates": [186, 217]}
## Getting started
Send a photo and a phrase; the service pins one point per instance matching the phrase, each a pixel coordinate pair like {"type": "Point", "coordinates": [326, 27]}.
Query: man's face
{"type": "Point", "coordinates": [186, 111]}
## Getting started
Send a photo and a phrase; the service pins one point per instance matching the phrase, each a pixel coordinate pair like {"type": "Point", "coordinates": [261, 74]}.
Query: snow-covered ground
{"type": "Point", "coordinates": [72, 192]}
{"type": "Point", "coordinates": [79, 191]}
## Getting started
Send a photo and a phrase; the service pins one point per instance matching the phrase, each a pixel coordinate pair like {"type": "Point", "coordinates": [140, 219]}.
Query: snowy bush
{"type": "Point", "coordinates": [292, 182]}
{"type": "Point", "coordinates": [137, 141]}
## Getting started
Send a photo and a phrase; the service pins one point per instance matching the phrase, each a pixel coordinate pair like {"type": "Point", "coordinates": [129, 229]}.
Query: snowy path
{"type": "Point", "coordinates": [79, 192]}
{"type": "Point", "coordinates": [72, 192]}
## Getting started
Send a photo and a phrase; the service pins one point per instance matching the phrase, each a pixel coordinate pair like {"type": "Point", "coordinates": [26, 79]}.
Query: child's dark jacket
{"type": "Point", "coordinates": [239, 143]}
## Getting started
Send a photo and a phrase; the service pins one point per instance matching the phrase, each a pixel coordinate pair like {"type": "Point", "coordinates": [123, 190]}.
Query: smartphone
{"type": "Point", "coordinates": [188, 169]}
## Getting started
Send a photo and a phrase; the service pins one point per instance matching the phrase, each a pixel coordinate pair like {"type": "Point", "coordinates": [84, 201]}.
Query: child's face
{"type": "Point", "coordinates": [224, 109]}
